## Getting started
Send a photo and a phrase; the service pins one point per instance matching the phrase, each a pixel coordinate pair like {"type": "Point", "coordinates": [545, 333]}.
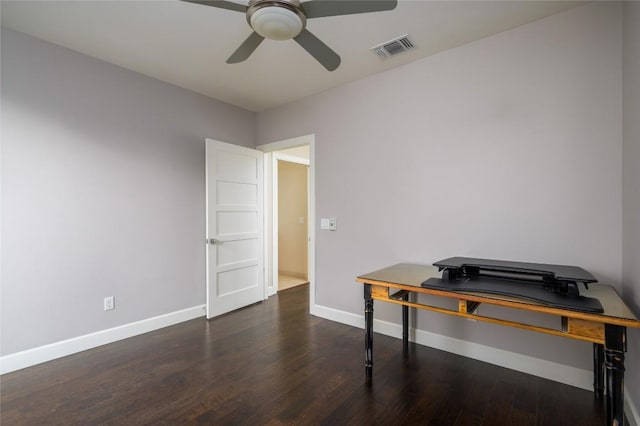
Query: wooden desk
{"type": "Point", "coordinates": [607, 331]}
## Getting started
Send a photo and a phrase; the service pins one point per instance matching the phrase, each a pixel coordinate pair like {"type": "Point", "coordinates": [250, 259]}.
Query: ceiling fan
{"type": "Point", "coordinates": [287, 19]}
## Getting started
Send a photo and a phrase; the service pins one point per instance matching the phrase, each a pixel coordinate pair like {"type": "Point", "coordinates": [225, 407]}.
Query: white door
{"type": "Point", "coordinates": [235, 272]}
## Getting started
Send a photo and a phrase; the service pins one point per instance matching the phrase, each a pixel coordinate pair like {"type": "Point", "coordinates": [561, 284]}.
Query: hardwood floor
{"type": "Point", "coordinates": [286, 282]}
{"type": "Point", "coordinates": [272, 363]}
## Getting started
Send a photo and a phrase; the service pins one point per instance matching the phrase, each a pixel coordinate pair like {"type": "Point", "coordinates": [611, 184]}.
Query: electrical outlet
{"type": "Point", "coordinates": [109, 303]}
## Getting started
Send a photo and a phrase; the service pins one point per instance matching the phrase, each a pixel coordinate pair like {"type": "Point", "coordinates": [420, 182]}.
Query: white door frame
{"type": "Point", "coordinates": [311, 252]}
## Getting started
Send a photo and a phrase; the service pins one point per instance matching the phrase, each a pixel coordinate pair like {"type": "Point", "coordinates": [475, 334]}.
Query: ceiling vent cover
{"type": "Point", "coordinates": [393, 47]}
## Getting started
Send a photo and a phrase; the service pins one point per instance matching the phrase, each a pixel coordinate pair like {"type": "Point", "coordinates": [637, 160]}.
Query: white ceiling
{"type": "Point", "coordinates": [187, 44]}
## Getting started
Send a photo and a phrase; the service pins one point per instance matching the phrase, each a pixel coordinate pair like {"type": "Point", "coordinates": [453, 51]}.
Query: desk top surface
{"type": "Point", "coordinates": [412, 275]}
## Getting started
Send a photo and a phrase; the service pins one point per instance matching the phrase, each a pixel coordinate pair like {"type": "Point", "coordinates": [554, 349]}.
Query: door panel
{"type": "Point", "coordinates": [237, 280]}
{"type": "Point", "coordinates": [239, 194]}
{"type": "Point", "coordinates": [235, 272]}
{"type": "Point", "coordinates": [236, 222]}
{"type": "Point", "coordinates": [232, 252]}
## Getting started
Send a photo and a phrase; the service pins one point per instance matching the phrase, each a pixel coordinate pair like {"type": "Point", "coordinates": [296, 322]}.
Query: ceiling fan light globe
{"type": "Point", "coordinates": [276, 23]}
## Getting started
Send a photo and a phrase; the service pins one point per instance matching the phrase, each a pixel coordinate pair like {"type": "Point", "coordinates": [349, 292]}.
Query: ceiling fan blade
{"type": "Point", "coordinates": [321, 8]}
{"type": "Point", "coordinates": [323, 53]}
{"type": "Point", "coordinates": [246, 49]}
{"type": "Point", "coordinates": [221, 4]}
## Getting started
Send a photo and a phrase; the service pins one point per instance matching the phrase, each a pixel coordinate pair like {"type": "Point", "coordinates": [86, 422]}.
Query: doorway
{"type": "Point", "coordinates": [292, 212]}
{"type": "Point", "coordinates": [289, 158]}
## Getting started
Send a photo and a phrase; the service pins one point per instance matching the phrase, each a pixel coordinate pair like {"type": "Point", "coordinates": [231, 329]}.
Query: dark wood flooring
{"type": "Point", "coordinates": [273, 363]}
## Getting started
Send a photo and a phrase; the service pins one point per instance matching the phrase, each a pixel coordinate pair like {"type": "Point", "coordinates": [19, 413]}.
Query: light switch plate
{"type": "Point", "coordinates": [328, 224]}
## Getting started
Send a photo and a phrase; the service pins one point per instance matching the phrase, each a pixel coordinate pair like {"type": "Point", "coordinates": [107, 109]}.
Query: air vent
{"type": "Point", "coordinates": [393, 47]}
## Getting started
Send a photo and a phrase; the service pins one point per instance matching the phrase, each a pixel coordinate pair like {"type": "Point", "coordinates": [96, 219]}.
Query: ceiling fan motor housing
{"type": "Point", "coordinates": [287, 19]}
{"type": "Point", "coordinates": [276, 19]}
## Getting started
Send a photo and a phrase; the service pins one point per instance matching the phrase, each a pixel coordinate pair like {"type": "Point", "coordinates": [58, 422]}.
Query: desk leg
{"type": "Point", "coordinates": [368, 332]}
{"type": "Point", "coordinates": [598, 370]}
{"type": "Point", "coordinates": [405, 325]}
{"type": "Point", "coordinates": [615, 338]}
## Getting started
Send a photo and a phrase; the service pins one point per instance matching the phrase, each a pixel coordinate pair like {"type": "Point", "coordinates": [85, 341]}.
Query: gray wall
{"type": "Point", "coordinates": [102, 192]}
{"type": "Point", "coordinates": [631, 188]}
{"type": "Point", "coordinates": [509, 147]}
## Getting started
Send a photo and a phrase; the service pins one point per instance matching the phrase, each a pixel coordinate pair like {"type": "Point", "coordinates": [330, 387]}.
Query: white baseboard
{"type": "Point", "coordinates": [526, 364]}
{"type": "Point", "coordinates": [337, 315]}
{"type": "Point", "coordinates": [24, 359]}
{"type": "Point", "coordinates": [630, 410]}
